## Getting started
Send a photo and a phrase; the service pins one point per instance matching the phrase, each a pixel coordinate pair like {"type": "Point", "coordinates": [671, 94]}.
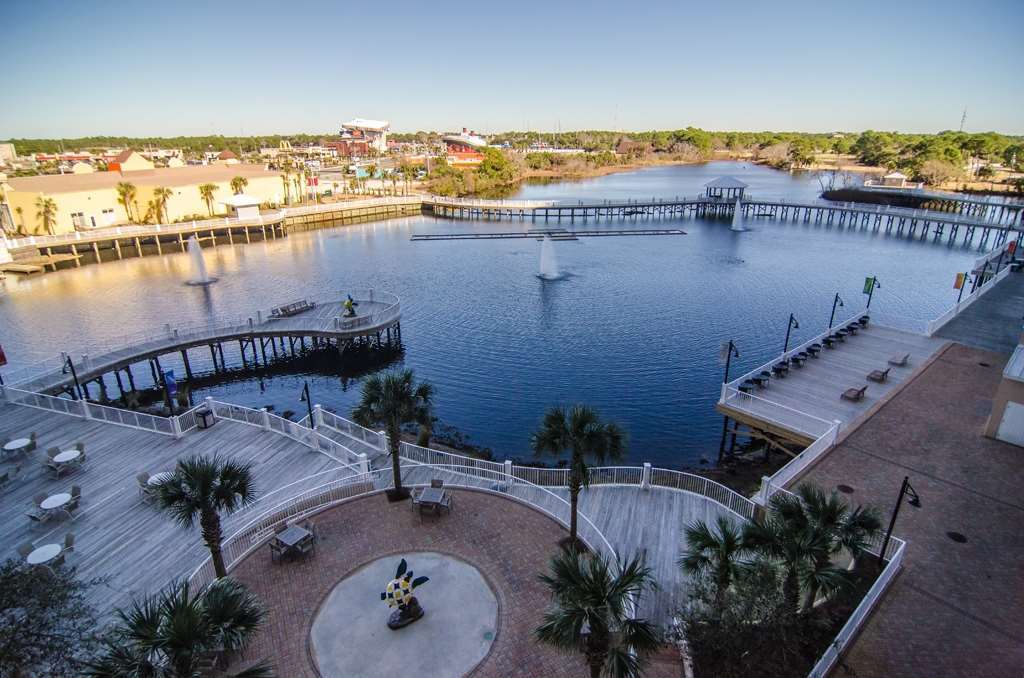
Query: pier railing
{"type": "Point", "coordinates": [985, 284]}
{"type": "Point", "coordinates": [795, 466]}
{"type": "Point", "coordinates": [88, 410]}
{"type": "Point", "coordinates": [776, 413]}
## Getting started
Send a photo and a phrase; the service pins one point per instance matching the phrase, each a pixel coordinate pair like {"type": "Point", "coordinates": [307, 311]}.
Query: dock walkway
{"type": "Point", "coordinates": [994, 321]}
{"type": "Point", "coordinates": [117, 534]}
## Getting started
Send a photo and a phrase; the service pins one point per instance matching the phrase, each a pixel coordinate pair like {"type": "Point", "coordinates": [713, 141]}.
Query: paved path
{"type": "Point", "coordinates": [994, 321]}
{"type": "Point", "coordinates": [956, 609]}
{"type": "Point", "coordinates": [509, 543]}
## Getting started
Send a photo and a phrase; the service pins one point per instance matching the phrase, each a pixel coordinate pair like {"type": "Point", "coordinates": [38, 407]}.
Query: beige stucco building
{"type": "Point", "coordinates": [86, 201]}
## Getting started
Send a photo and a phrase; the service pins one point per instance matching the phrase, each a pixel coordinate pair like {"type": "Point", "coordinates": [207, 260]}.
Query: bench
{"type": "Point", "coordinates": [854, 394]}
{"type": "Point", "coordinates": [780, 369]}
{"type": "Point", "coordinates": [900, 360]}
{"type": "Point", "coordinates": [852, 328]}
{"type": "Point", "coordinates": [879, 375]}
{"type": "Point", "coordinates": [291, 309]}
{"type": "Point", "coordinates": [813, 350]}
{"type": "Point", "coordinates": [798, 359]}
{"type": "Point", "coordinates": [863, 321]}
{"type": "Point", "coordinates": [829, 342]}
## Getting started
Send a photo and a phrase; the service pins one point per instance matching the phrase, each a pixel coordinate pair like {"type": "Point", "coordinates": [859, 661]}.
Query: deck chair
{"type": "Point", "coordinates": [52, 452]}
{"type": "Point", "coordinates": [80, 446]}
{"type": "Point", "coordinates": [276, 550]}
{"type": "Point", "coordinates": [446, 502]}
{"type": "Point", "coordinates": [415, 498]}
{"type": "Point", "coordinates": [879, 375]}
{"type": "Point", "coordinates": [900, 360]}
{"type": "Point", "coordinates": [310, 526]}
{"type": "Point", "coordinates": [26, 549]}
{"type": "Point", "coordinates": [33, 442]}
{"type": "Point", "coordinates": [280, 527]}
{"type": "Point", "coordinates": [854, 394]}
{"type": "Point", "coordinates": [38, 499]}
{"type": "Point", "coordinates": [436, 483]}
{"type": "Point", "coordinates": [76, 499]}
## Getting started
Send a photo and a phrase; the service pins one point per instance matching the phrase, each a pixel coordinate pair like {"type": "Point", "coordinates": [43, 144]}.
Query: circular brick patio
{"type": "Point", "coordinates": [509, 543]}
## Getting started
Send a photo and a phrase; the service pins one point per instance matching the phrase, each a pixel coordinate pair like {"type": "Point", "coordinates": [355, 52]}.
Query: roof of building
{"type": "Point", "coordinates": [226, 154]}
{"type": "Point", "coordinates": [725, 182]}
{"type": "Point", "coordinates": [467, 139]}
{"type": "Point", "coordinates": [124, 155]}
{"type": "Point", "coordinates": [161, 176]}
{"type": "Point", "coordinates": [364, 123]}
{"type": "Point", "coordinates": [895, 175]}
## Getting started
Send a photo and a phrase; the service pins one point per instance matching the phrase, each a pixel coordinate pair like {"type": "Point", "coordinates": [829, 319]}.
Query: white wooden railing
{"type": "Point", "coordinates": [984, 286]}
{"type": "Point", "coordinates": [776, 413]}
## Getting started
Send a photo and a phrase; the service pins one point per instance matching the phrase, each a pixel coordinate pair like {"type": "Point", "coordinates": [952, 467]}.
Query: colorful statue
{"type": "Point", "coordinates": [398, 593]}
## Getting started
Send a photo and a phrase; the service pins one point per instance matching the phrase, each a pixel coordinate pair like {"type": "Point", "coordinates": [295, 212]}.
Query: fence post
{"type": "Point", "coordinates": [265, 418]}
{"type": "Point", "coordinates": [85, 409]}
{"type": "Point", "coordinates": [318, 416]}
{"type": "Point", "coordinates": [835, 430]}
{"type": "Point", "coordinates": [764, 494]}
{"type": "Point", "coordinates": [508, 472]}
{"type": "Point", "coordinates": [382, 441]}
{"type": "Point", "coordinates": [645, 478]}
{"type": "Point", "coordinates": [176, 427]}
{"type": "Point", "coordinates": [209, 404]}
{"type": "Point", "coordinates": [364, 463]}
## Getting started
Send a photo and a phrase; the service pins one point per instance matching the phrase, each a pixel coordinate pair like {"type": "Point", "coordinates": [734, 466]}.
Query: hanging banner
{"type": "Point", "coordinates": [3, 357]}
{"type": "Point", "coordinates": [959, 282]}
{"type": "Point", "coordinates": [869, 284]}
{"type": "Point", "coordinates": [1012, 247]}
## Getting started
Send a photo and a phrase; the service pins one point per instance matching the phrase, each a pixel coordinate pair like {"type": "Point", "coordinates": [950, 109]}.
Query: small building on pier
{"type": "Point", "coordinates": [725, 188]}
{"type": "Point", "coordinates": [242, 206]}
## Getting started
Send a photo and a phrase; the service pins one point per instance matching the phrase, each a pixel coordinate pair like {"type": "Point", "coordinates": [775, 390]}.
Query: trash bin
{"type": "Point", "coordinates": [205, 417]}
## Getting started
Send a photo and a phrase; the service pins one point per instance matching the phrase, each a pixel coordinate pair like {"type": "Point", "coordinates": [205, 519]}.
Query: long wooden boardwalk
{"type": "Point", "coordinates": [117, 534]}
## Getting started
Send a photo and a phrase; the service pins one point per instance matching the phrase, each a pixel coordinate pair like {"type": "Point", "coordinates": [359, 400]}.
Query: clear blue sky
{"type": "Point", "coordinates": [78, 68]}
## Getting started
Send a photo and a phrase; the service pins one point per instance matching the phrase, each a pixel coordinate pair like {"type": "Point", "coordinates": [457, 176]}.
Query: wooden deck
{"type": "Point", "coordinates": [801, 405]}
{"type": "Point", "coordinates": [993, 322]}
{"type": "Point", "coordinates": [117, 534]}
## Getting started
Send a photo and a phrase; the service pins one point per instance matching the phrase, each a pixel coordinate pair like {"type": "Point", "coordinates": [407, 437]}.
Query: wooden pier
{"type": "Point", "coordinates": [554, 234]}
{"type": "Point", "coordinates": [260, 337]}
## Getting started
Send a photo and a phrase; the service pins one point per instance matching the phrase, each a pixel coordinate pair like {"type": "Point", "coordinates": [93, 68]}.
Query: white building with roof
{"type": "Point", "coordinates": [375, 132]}
{"type": "Point", "coordinates": [725, 188]}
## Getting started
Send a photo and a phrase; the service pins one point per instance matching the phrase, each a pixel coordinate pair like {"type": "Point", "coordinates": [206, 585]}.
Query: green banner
{"type": "Point", "coordinates": [869, 284]}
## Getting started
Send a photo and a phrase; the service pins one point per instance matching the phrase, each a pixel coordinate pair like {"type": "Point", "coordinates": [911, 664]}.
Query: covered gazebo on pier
{"type": "Point", "coordinates": [725, 188]}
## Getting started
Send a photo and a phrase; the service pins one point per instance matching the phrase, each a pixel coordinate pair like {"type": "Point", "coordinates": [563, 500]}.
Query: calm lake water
{"type": "Point", "coordinates": [633, 329]}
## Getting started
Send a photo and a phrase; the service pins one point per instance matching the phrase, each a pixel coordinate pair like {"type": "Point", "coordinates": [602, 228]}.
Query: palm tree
{"type": "Point", "coordinates": [391, 400]}
{"type": "Point", "coordinates": [46, 212]}
{"type": "Point", "coordinates": [160, 197]}
{"type": "Point", "coordinates": [20, 211]}
{"type": "Point", "coordinates": [581, 432]}
{"type": "Point", "coordinates": [126, 197]}
{"type": "Point", "coordinates": [716, 553]}
{"type": "Point", "coordinates": [804, 536]}
{"type": "Point", "coordinates": [176, 632]}
{"type": "Point", "coordinates": [206, 192]}
{"type": "Point", "coordinates": [591, 613]}
{"type": "Point", "coordinates": [238, 184]}
{"type": "Point", "coordinates": [202, 487]}
{"type": "Point", "coordinates": [287, 186]}
{"type": "Point", "coordinates": [371, 172]}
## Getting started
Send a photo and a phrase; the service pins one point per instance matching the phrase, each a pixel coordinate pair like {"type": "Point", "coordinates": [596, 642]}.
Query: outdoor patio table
{"type": "Point", "coordinates": [67, 456]}
{"type": "Point", "coordinates": [431, 496]}
{"type": "Point", "coordinates": [17, 445]}
{"type": "Point", "coordinates": [293, 536]}
{"type": "Point", "coordinates": [55, 501]}
{"type": "Point", "coordinates": [43, 554]}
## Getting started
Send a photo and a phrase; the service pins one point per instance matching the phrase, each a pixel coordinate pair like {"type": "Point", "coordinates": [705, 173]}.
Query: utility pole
{"type": "Point", "coordinates": [963, 119]}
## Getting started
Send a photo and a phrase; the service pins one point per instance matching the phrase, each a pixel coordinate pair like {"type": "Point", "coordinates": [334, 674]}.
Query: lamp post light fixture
{"type": "Point", "coordinates": [792, 324]}
{"type": "Point", "coordinates": [963, 284]}
{"type": "Point", "coordinates": [832, 318]}
{"type": "Point", "coordinates": [309, 403]}
{"type": "Point", "coordinates": [69, 366]}
{"type": "Point", "coordinates": [730, 352]}
{"type": "Point", "coordinates": [914, 500]}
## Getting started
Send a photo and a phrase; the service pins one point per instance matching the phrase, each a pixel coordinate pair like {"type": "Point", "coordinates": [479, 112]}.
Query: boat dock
{"type": "Point", "coordinates": [554, 234]}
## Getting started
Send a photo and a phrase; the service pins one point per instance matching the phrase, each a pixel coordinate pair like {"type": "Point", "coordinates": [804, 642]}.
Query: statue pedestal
{"type": "Point", "coordinates": [405, 616]}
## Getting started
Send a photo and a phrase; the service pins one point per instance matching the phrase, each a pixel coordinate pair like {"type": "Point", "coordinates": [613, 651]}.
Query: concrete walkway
{"type": "Point", "coordinates": [957, 609]}
{"type": "Point", "coordinates": [993, 322]}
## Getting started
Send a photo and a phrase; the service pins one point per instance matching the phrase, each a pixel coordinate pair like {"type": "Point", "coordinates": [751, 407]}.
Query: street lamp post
{"type": "Point", "coordinates": [730, 352]}
{"type": "Point", "coordinates": [69, 366]}
{"type": "Point", "coordinates": [792, 324]}
{"type": "Point", "coordinates": [309, 403]}
{"type": "Point", "coordinates": [915, 501]}
{"type": "Point", "coordinates": [832, 317]}
{"type": "Point", "coordinates": [963, 284]}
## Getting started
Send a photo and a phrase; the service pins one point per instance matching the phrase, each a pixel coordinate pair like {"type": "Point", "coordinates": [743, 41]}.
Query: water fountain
{"type": "Point", "coordinates": [199, 274]}
{"type": "Point", "coordinates": [737, 218]}
{"type": "Point", "coordinates": [548, 261]}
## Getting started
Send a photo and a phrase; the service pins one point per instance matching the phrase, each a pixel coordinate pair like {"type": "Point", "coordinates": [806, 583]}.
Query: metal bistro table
{"type": "Point", "coordinates": [67, 456]}
{"type": "Point", "coordinates": [55, 501]}
{"type": "Point", "coordinates": [17, 445]}
{"type": "Point", "coordinates": [293, 537]}
{"type": "Point", "coordinates": [431, 497]}
{"type": "Point", "coordinates": [43, 554]}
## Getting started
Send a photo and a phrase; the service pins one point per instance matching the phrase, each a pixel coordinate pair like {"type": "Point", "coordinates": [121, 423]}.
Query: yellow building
{"type": "Point", "coordinates": [86, 201]}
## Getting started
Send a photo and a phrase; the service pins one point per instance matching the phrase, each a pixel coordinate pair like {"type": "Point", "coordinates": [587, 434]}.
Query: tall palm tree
{"type": "Point", "coordinates": [590, 613]}
{"type": "Point", "coordinates": [371, 172]}
{"type": "Point", "coordinates": [20, 211]}
{"type": "Point", "coordinates": [803, 541]}
{"type": "Point", "coordinates": [160, 197]}
{"type": "Point", "coordinates": [46, 212]}
{"type": "Point", "coordinates": [238, 184]}
{"type": "Point", "coordinates": [718, 553]}
{"type": "Point", "coordinates": [287, 186]}
{"type": "Point", "coordinates": [844, 530]}
{"type": "Point", "coordinates": [174, 633]}
{"type": "Point", "coordinates": [391, 400]}
{"type": "Point", "coordinates": [126, 198]}
{"type": "Point", "coordinates": [581, 432]}
{"type": "Point", "coordinates": [200, 489]}
{"type": "Point", "coordinates": [206, 192]}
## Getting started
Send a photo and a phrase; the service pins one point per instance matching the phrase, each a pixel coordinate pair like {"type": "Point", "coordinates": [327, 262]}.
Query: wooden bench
{"type": "Point", "coordinates": [900, 360]}
{"type": "Point", "coordinates": [813, 350]}
{"type": "Point", "coordinates": [854, 394]}
{"type": "Point", "coordinates": [294, 308]}
{"type": "Point", "coordinates": [863, 321]}
{"type": "Point", "coordinates": [879, 375]}
{"type": "Point", "coordinates": [829, 342]}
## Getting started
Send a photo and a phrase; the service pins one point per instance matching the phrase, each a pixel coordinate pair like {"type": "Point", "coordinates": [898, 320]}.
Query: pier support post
{"type": "Point", "coordinates": [645, 477]}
